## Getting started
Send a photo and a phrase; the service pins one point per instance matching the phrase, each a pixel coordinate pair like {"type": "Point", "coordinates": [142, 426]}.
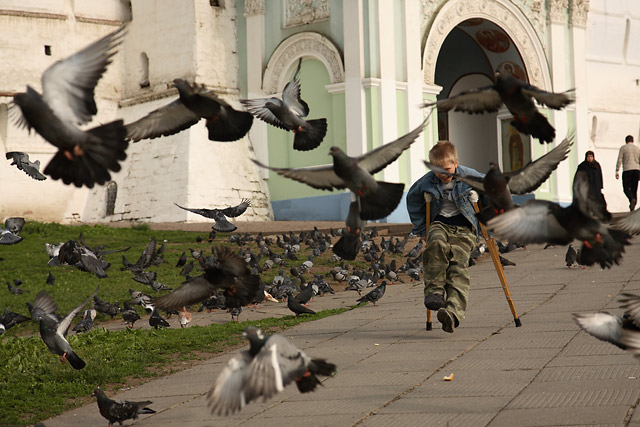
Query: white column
{"type": "Point", "coordinates": [559, 66]}
{"type": "Point", "coordinates": [254, 13]}
{"type": "Point", "coordinates": [354, 72]}
{"type": "Point", "coordinates": [415, 81]}
{"type": "Point", "coordinates": [388, 106]}
{"type": "Point", "coordinates": [578, 34]}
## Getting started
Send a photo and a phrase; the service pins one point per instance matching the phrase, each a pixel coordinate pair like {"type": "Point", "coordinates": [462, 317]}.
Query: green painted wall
{"type": "Point", "coordinates": [403, 161]}
{"type": "Point", "coordinates": [313, 78]}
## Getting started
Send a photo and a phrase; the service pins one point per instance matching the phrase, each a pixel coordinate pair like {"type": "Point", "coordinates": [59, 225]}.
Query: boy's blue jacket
{"type": "Point", "coordinates": [430, 183]}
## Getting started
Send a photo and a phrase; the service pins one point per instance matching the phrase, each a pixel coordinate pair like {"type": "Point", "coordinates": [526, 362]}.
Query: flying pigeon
{"type": "Point", "coordinates": [83, 157]}
{"type": "Point", "coordinates": [498, 186]}
{"type": "Point", "coordinates": [375, 294]}
{"type": "Point", "coordinates": [120, 410]}
{"type": "Point", "coordinates": [629, 224]}
{"type": "Point", "coordinates": [540, 221]}
{"type": "Point", "coordinates": [22, 162]}
{"type": "Point", "coordinates": [287, 113]}
{"type": "Point", "coordinates": [348, 245]}
{"type": "Point", "coordinates": [230, 273]}
{"type": "Point", "coordinates": [221, 223]}
{"type": "Point", "coordinates": [518, 97]}
{"type": "Point", "coordinates": [377, 199]}
{"type": "Point", "coordinates": [262, 371]}
{"type": "Point", "coordinates": [195, 103]}
{"type": "Point", "coordinates": [53, 330]}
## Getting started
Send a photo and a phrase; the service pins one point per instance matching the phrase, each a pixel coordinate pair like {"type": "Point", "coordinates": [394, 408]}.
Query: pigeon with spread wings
{"type": "Point", "coordinates": [288, 113]}
{"type": "Point", "coordinates": [265, 369]}
{"type": "Point", "coordinates": [377, 199]}
{"type": "Point", "coordinates": [53, 330]}
{"type": "Point", "coordinates": [221, 223]}
{"type": "Point", "coordinates": [83, 157]}
{"type": "Point", "coordinates": [22, 162]}
{"type": "Point", "coordinates": [540, 221]}
{"type": "Point", "coordinates": [518, 97]}
{"type": "Point", "coordinates": [498, 186]}
{"type": "Point", "coordinates": [229, 273]}
{"type": "Point", "coordinates": [195, 103]}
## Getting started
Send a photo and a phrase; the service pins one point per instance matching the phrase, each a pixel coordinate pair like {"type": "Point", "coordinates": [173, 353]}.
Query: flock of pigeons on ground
{"type": "Point", "coordinates": [231, 280]}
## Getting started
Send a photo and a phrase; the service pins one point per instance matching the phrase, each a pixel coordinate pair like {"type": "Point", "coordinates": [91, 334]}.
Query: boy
{"type": "Point", "coordinates": [451, 237]}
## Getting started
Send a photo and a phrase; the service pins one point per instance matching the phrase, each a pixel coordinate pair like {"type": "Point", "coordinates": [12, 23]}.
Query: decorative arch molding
{"type": "Point", "coordinates": [305, 44]}
{"type": "Point", "coordinates": [500, 12]}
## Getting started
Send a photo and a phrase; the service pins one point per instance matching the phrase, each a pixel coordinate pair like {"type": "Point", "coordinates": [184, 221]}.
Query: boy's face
{"type": "Point", "coordinates": [449, 166]}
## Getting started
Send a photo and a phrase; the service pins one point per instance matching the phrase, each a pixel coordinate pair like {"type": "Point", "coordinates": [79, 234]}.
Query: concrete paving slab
{"type": "Point", "coordinates": [560, 417]}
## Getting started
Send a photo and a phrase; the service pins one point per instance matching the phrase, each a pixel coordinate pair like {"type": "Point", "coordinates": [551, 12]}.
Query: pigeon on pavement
{"type": "Point", "coordinates": [156, 321]}
{"type": "Point", "coordinates": [498, 186]}
{"type": "Point", "coordinates": [375, 294]}
{"type": "Point", "coordinates": [195, 103]}
{"type": "Point", "coordinates": [262, 371]}
{"type": "Point", "coordinates": [22, 162]}
{"type": "Point", "coordinates": [571, 256]}
{"type": "Point", "coordinates": [53, 330]}
{"type": "Point", "coordinates": [230, 273]}
{"type": "Point", "coordinates": [540, 221]}
{"type": "Point", "coordinates": [120, 410]}
{"type": "Point", "coordinates": [287, 113]}
{"type": "Point", "coordinates": [221, 223]}
{"type": "Point", "coordinates": [83, 157]}
{"type": "Point", "coordinates": [296, 307]}
{"type": "Point", "coordinates": [377, 199]}
{"type": "Point", "coordinates": [518, 97]}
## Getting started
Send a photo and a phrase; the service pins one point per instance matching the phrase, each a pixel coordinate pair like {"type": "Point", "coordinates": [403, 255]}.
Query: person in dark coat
{"type": "Point", "coordinates": [594, 174]}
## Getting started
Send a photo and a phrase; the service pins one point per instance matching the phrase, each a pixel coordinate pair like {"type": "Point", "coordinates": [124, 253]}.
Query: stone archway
{"type": "Point", "coordinates": [501, 12]}
{"type": "Point", "coordinates": [305, 44]}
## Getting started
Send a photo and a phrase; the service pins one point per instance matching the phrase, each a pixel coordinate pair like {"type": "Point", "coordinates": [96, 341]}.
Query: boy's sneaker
{"type": "Point", "coordinates": [446, 319]}
{"type": "Point", "coordinates": [434, 302]}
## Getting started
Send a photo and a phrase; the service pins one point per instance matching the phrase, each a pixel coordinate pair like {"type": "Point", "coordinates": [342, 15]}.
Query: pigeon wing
{"type": "Point", "coordinates": [532, 223]}
{"type": "Point", "coordinates": [603, 326]}
{"type": "Point", "coordinates": [549, 99]}
{"type": "Point", "coordinates": [167, 120]}
{"type": "Point", "coordinates": [631, 306]}
{"type": "Point", "coordinates": [291, 95]}
{"type": "Point", "coordinates": [43, 306]}
{"type": "Point", "coordinates": [630, 223]}
{"type": "Point", "coordinates": [68, 85]}
{"type": "Point", "coordinates": [14, 224]}
{"type": "Point", "coordinates": [147, 255]}
{"type": "Point", "coordinates": [376, 160]}
{"type": "Point", "coordinates": [207, 213]}
{"type": "Point", "coordinates": [235, 211]}
{"type": "Point", "coordinates": [190, 292]}
{"type": "Point", "coordinates": [258, 108]}
{"type": "Point", "coordinates": [321, 177]}
{"type": "Point", "coordinates": [535, 173]}
{"type": "Point", "coordinates": [479, 100]}
{"type": "Point", "coordinates": [222, 224]}
{"type": "Point", "coordinates": [228, 394]}
{"type": "Point", "coordinates": [64, 324]}
{"type": "Point", "coordinates": [33, 170]}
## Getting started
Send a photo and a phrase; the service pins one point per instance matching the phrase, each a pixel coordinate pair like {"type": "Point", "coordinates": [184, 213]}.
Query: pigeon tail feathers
{"type": "Point", "coordinates": [309, 380]}
{"type": "Point", "coordinates": [537, 126]}
{"type": "Point", "coordinates": [384, 201]}
{"type": "Point", "coordinates": [347, 247]}
{"type": "Point", "coordinates": [75, 361]}
{"type": "Point", "coordinates": [236, 125]}
{"type": "Point", "coordinates": [311, 136]}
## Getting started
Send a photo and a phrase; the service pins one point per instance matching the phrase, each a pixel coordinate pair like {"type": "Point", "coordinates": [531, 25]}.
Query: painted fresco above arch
{"type": "Point", "coordinates": [504, 15]}
{"type": "Point", "coordinates": [305, 44]}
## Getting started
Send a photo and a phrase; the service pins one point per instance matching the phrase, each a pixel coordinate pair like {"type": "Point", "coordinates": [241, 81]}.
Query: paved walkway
{"type": "Point", "coordinates": [390, 370]}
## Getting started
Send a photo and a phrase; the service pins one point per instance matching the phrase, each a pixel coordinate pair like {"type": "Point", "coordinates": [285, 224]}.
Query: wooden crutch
{"type": "Point", "coordinates": [427, 199]}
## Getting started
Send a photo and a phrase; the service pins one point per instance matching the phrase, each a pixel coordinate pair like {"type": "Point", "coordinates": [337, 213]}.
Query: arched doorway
{"type": "Point", "coordinates": [470, 54]}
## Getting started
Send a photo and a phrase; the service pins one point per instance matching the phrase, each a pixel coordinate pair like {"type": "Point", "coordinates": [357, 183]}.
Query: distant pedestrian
{"type": "Point", "coordinates": [594, 174]}
{"type": "Point", "coordinates": [629, 158]}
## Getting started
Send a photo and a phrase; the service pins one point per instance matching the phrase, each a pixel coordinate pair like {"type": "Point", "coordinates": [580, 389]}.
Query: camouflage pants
{"type": "Point", "coordinates": [445, 264]}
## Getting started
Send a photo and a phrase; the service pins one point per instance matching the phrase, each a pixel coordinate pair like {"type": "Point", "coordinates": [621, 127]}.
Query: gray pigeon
{"type": "Point", "coordinates": [53, 330]}
{"type": "Point", "coordinates": [86, 324]}
{"type": "Point", "coordinates": [9, 234]}
{"type": "Point", "coordinates": [22, 162]}
{"type": "Point", "coordinates": [287, 113]}
{"type": "Point", "coordinates": [83, 157]}
{"type": "Point", "coordinates": [375, 295]}
{"type": "Point", "coordinates": [377, 199]}
{"type": "Point", "coordinates": [518, 97]}
{"type": "Point", "coordinates": [120, 410]}
{"type": "Point", "coordinates": [195, 103]}
{"type": "Point", "coordinates": [262, 371]}
{"type": "Point", "coordinates": [221, 224]}
{"type": "Point", "coordinates": [348, 245]}
{"type": "Point", "coordinates": [571, 256]}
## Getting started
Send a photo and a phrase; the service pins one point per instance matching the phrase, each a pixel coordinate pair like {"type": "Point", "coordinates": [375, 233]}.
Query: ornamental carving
{"type": "Point", "coordinates": [303, 12]}
{"type": "Point", "coordinates": [253, 7]}
{"type": "Point", "coordinates": [579, 12]}
{"type": "Point", "coordinates": [557, 10]}
{"type": "Point", "coordinates": [504, 14]}
{"type": "Point", "coordinates": [307, 44]}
